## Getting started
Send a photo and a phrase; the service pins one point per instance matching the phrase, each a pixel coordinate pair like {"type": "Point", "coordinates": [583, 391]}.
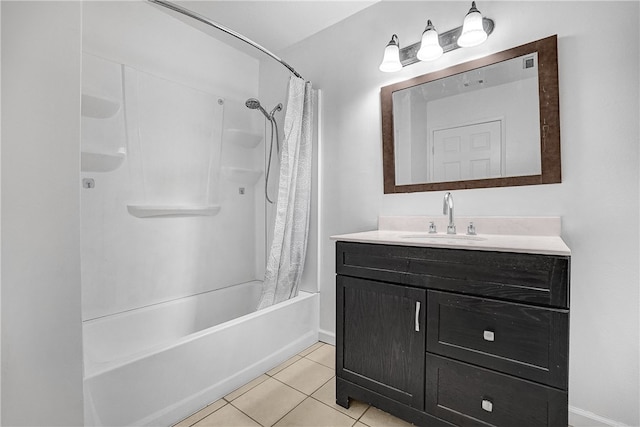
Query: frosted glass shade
{"type": "Point", "coordinates": [430, 48]}
{"type": "Point", "coordinates": [473, 32]}
{"type": "Point", "coordinates": [391, 58]}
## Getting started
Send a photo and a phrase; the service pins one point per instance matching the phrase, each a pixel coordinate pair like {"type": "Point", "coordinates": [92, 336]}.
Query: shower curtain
{"type": "Point", "coordinates": [288, 249]}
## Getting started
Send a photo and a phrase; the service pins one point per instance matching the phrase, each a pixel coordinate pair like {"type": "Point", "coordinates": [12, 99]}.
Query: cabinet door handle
{"type": "Point", "coordinates": [487, 405]}
{"type": "Point", "coordinates": [417, 316]}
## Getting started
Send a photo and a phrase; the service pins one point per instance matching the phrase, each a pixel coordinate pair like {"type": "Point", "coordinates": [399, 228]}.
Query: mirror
{"type": "Point", "coordinates": [491, 122]}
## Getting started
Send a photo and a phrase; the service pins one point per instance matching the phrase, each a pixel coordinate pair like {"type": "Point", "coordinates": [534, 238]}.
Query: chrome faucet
{"type": "Point", "coordinates": [447, 208]}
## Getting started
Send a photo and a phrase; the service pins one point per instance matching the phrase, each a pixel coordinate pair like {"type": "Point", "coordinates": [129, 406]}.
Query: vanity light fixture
{"type": "Point", "coordinates": [391, 60]}
{"type": "Point", "coordinates": [474, 31]}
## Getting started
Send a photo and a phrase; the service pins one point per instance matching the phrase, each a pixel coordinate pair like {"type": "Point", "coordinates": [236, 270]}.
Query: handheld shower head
{"type": "Point", "coordinates": [254, 104]}
{"type": "Point", "coordinates": [276, 108]}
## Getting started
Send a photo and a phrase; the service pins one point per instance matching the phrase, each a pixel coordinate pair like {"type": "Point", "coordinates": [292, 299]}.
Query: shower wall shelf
{"type": "Point", "coordinates": [98, 108]}
{"type": "Point", "coordinates": [91, 161]}
{"type": "Point", "coordinates": [243, 138]}
{"type": "Point", "coordinates": [172, 211]}
{"type": "Point", "coordinates": [240, 175]}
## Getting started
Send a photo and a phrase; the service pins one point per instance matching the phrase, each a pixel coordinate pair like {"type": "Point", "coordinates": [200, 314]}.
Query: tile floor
{"type": "Point", "coordinates": [300, 392]}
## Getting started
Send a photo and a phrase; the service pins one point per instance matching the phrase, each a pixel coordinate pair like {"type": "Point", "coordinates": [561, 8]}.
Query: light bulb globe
{"type": "Point", "coordinates": [430, 48]}
{"type": "Point", "coordinates": [473, 32]}
{"type": "Point", "coordinates": [391, 59]}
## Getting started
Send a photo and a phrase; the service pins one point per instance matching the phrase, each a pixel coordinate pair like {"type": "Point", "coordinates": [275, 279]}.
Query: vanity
{"type": "Point", "coordinates": [442, 329]}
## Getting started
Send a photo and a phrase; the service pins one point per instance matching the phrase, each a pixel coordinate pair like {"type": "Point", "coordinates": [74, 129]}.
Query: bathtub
{"type": "Point", "coordinates": [159, 364]}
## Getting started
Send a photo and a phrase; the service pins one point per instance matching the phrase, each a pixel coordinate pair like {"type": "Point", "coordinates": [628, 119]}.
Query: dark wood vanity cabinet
{"type": "Point", "coordinates": [453, 337]}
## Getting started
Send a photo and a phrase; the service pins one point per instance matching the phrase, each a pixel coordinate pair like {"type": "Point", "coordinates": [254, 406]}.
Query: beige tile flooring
{"type": "Point", "coordinates": [299, 392]}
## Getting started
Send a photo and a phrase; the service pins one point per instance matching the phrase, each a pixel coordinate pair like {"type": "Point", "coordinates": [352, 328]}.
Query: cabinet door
{"type": "Point", "coordinates": [381, 338]}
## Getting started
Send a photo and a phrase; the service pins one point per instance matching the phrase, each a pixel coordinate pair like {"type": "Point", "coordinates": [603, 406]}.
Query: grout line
{"type": "Point", "coordinates": [249, 416]}
{"type": "Point", "coordinates": [365, 411]}
{"type": "Point", "coordinates": [308, 352]}
{"type": "Point", "coordinates": [343, 413]}
{"type": "Point", "coordinates": [246, 391]}
{"type": "Point", "coordinates": [205, 416]}
{"type": "Point", "coordinates": [300, 391]}
{"type": "Point", "coordinates": [292, 388]}
{"type": "Point", "coordinates": [230, 402]}
{"type": "Point", "coordinates": [280, 370]}
{"type": "Point", "coordinates": [202, 418]}
{"type": "Point", "coordinates": [279, 419]}
{"type": "Point", "coordinates": [306, 396]}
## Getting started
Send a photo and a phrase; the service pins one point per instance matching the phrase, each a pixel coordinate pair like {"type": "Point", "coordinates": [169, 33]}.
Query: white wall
{"type": "Point", "coordinates": [0, 219]}
{"type": "Point", "coordinates": [41, 333]}
{"type": "Point", "coordinates": [598, 198]}
{"type": "Point", "coordinates": [129, 262]}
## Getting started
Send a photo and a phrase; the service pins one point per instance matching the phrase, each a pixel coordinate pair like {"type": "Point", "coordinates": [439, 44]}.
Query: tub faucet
{"type": "Point", "coordinates": [447, 208]}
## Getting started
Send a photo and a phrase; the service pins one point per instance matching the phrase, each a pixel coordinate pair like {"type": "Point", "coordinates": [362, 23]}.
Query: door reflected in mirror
{"type": "Point", "coordinates": [456, 128]}
{"type": "Point", "coordinates": [489, 122]}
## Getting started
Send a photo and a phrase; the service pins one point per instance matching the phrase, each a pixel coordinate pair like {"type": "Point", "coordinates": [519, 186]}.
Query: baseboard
{"type": "Point", "coordinates": [326, 336]}
{"type": "Point", "coordinates": [581, 418]}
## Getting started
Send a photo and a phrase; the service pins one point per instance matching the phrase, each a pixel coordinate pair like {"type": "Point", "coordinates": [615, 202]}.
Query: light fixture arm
{"type": "Point", "coordinates": [448, 41]}
{"type": "Point", "coordinates": [473, 8]}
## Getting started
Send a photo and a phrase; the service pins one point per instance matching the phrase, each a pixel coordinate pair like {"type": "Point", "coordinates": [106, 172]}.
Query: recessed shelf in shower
{"type": "Point", "coordinates": [150, 211]}
{"type": "Point", "coordinates": [98, 107]}
{"type": "Point", "coordinates": [242, 138]}
{"type": "Point", "coordinates": [241, 175]}
{"type": "Point", "coordinates": [91, 161]}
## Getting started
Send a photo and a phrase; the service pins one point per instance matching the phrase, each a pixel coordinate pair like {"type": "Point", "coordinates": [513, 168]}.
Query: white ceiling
{"type": "Point", "coordinates": [275, 25]}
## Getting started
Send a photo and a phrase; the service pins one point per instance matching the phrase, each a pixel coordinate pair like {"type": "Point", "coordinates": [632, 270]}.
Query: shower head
{"type": "Point", "coordinates": [254, 104]}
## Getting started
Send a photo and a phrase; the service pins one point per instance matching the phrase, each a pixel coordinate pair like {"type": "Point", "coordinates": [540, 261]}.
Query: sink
{"type": "Point", "coordinates": [443, 236]}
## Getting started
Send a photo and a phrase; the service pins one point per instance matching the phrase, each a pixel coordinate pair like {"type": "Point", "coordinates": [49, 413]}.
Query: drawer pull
{"type": "Point", "coordinates": [487, 405]}
{"type": "Point", "coordinates": [417, 327]}
{"type": "Point", "coordinates": [489, 336]}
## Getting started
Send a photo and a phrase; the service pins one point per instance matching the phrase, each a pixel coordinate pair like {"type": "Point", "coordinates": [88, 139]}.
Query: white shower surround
{"type": "Point", "coordinates": [129, 262]}
{"type": "Point", "coordinates": [159, 364]}
{"type": "Point", "coordinates": [158, 263]}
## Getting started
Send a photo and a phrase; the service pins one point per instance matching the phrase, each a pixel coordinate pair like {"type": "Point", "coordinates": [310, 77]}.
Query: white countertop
{"type": "Point", "coordinates": [525, 236]}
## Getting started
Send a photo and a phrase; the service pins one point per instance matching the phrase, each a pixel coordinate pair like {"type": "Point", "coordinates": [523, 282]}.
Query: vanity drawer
{"type": "Point", "coordinates": [539, 279]}
{"type": "Point", "coordinates": [467, 395]}
{"type": "Point", "coordinates": [530, 342]}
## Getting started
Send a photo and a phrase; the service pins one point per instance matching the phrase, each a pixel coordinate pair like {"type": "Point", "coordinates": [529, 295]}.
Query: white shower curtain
{"type": "Point", "coordinates": [288, 249]}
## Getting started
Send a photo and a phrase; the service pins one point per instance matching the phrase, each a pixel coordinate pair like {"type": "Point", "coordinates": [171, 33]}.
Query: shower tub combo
{"type": "Point", "coordinates": [148, 363]}
{"type": "Point", "coordinates": [169, 296]}
{"type": "Point", "coordinates": [157, 365]}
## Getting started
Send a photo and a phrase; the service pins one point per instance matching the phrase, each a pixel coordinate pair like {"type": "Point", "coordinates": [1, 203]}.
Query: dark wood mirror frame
{"type": "Point", "coordinates": [547, 50]}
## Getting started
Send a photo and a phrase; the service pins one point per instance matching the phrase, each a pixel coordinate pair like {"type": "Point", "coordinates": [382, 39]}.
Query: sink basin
{"type": "Point", "coordinates": [443, 236]}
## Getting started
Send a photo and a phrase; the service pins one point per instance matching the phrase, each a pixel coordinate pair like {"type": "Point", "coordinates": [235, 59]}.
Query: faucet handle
{"type": "Point", "coordinates": [471, 229]}
{"type": "Point", "coordinates": [432, 227]}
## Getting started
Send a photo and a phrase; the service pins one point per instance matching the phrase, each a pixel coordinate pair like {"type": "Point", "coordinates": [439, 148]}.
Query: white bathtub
{"type": "Point", "coordinates": [159, 364]}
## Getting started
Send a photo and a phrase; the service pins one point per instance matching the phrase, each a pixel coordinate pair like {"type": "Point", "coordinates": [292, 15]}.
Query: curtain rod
{"type": "Point", "coordinates": [221, 27]}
